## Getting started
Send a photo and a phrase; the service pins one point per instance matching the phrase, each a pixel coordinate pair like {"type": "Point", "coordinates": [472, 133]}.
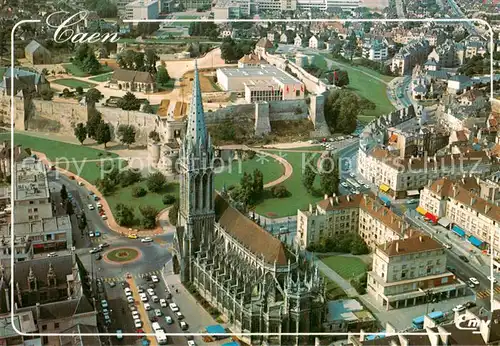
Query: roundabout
{"type": "Point", "coordinates": [122, 255]}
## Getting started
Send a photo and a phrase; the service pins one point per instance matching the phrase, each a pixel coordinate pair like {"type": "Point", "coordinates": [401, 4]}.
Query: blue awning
{"type": "Point", "coordinates": [215, 329]}
{"type": "Point", "coordinates": [458, 230]}
{"type": "Point", "coordinates": [474, 241]}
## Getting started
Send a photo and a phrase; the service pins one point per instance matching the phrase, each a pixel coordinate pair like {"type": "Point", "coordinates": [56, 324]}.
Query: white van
{"type": "Point", "coordinates": [156, 326]}
{"type": "Point", "coordinates": [161, 337]}
{"type": "Point", "coordinates": [173, 307]}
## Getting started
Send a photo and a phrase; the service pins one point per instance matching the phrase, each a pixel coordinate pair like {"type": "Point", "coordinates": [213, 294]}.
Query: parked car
{"type": "Point", "coordinates": [173, 307]}
{"type": "Point", "coordinates": [137, 323]}
{"type": "Point", "coordinates": [179, 315]}
{"type": "Point", "coordinates": [492, 279]}
{"type": "Point", "coordinates": [104, 217]}
{"type": "Point", "coordinates": [104, 304]}
{"type": "Point", "coordinates": [94, 250]}
{"type": "Point", "coordinates": [146, 240]}
{"type": "Point", "coordinates": [470, 284]}
{"type": "Point", "coordinates": [344, 184]}
{"type": "Point", "coordinates": [147, 306]}
{"type": "Point", "coordinates": [140, 289]}
{"type": "Point", "coordinates": [103, 245]}
{"type": "Point", "coordinates": [158, 313]}
{"type": "Point", "coordinates": [151, 285]}
{"type": "Point", "coordinates": [474, 281]}
{"type": "Point", "coordinates": [459, 308]}
{"type": "Point", "coordinates": [169, 320]}
{"type": "Point", "coordinates": [155, 278]}
{"type": "Point", "coordinates": [133, 236]}
{"type": "Point", "coordinates": [155, 299]}
{"type": "Point", "coordinates": [91, 207]}
{"type": "Point", "coordinates": [112, 284]}
{"type": "Point", "coordinates": [128, 291]}
{"type": "Point", "coordinates": [144, 297]}
{"type": "Point", "coordinates": [183, 325]}
{"type": "Point", "coordinates": [130, 299]}
{"type": "Point", "coordinates": [151, 292]}
{"type": "Point", "coordinates": [91, 234]}
{"type": "Point", "coordinates": [52, 254]}
{"type": "Point", "coordinates": [469, 305]}
{"type": "Point", "coordinates": [447, 245]}
{"type": "Point", "coordinates": [136, 315]}
{"type": "Point", "coordinates": [191, 343]}
{"type": "Point", "coordinates": [80, 183]}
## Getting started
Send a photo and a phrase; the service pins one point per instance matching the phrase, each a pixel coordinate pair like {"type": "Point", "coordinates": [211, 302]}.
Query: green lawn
{"type": "Point", "coordinates": [124, 195]}
{"type": "Point", "coordinates": [2, 71]}
{"type": "Point", "coordinates": [364, 86]}
{"type": "Point", "coordinates": [102, 77]}
{"type": "Point", "coordinates": [74, 83]}
{"type": "Point", "coordinates": [346, 266]}
{"type": "Point", "coordinates": [57, 149]}
{"type": "Point", "coordinates": [299, 198]}
{"type": "Point", "coordinates": [76, 71]}
{"type": "Point", "coordinates": [270, 168]}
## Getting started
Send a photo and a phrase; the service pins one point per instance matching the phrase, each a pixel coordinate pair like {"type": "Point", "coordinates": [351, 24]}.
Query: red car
{"type": "Point", "coordinates": [139, 331]}
{"type": "Point", "coordinates": [71, 177]}
{"type": "Point", "coordinates": [101, 212]}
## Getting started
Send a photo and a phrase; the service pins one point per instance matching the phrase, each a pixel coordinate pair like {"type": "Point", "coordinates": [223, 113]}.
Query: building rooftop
{"type": "Point", "coordinates": [30, 180]}
{"type": "Point", "coordinates": [38, 227]}
{"type": "Point", "coordinates": [414, 244]}
{"type": "Point", "coordinates": [261, 72]}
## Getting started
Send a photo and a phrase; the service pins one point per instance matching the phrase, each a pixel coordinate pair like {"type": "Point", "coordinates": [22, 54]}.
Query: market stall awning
{"type": "Point", "coordinates": [384, 188]}
{"type": "Point", "coordinates": [474, 241]}
{"type": "Point", "coordinates": [444, 222]}
{"type": "Point", "coordinates": [215, 329]}
{"type": "Point", "coordinates": [458, 230]}
{"type": "Point", "coordinates": [431, 217]}
{"type": "Point", "coordinates": [411, 193]}
{"type": "Point", "coordinates": [421, 210]}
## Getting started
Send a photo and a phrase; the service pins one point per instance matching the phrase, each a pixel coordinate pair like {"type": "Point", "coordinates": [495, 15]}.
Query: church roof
{"type": "Point", "coordinates": [248, 233]}
{"type": "Point", "coordinates": [196, 130]}
{"type": "Point", "coordinates": [63, 266]}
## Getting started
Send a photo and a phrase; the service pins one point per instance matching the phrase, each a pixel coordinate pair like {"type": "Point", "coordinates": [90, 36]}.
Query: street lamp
{"type": "Point", "coordinates": [428, 295]}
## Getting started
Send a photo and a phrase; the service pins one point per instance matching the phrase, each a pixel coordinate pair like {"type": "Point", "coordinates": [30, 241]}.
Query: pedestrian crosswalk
{"type": "Point", "coordinates": [135, 276]}
{"type": "Point", "coordinates": [486, 293]}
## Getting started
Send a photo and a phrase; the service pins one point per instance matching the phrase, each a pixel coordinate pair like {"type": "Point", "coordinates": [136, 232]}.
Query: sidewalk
{"type": "Point", "coordinates": [111, 222]}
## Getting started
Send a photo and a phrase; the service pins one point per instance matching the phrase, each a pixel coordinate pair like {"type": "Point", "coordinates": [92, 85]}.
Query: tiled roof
{"type": "Point", "coordinates": [420, 243]}
{"type": "Point", "coordinates": [132, 76]}
{"type": "Point", "coordinates": [264, 43]}
{"type": "Point", "coordinates": [463, 192]}
{"type": "Point", "coordinates": [255, 238]}
{"type": "Point", "coordinates": [63, 265]}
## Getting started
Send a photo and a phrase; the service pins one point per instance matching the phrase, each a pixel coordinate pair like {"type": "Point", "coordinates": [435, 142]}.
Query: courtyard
{"type": "Point", "coordinates": [349, 267]}
{"type": "Point", "coordinates": [74, 83]}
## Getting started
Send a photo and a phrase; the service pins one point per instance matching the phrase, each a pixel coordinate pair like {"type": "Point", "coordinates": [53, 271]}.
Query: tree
{"type": "Point", "coordinates": [329, 176]}
{"type": "Point", "coordinates": [258, 184]}
{"type": "Point", "coordinates": [162, 76]}
{"type": "Point", "coordinates": [342, 78]}
{"type": "Point", "coordinates": [93, 122]}
{"type": "Point", "coordinates": [151, 58]}
{"type": "Point", "coordinates": [69, 207]}
{"type": "Point", "coordinates": [126, 133]}
{"type": "Point", "coordinates": [129, 102]}
{"type": "Point", "coordinates": [156, 182]}
{"type": "Point", "coordinates": [45, 72]}
{"type": "Point", "coordinates": [154, 136]}
{"type": "Point", "coordinates": [139, 191]}
{"type": "Point", "coordinates": [173, 214]}
{"type": "Point", "coordinates": [168, 199]}
{"type": "Point", "coordinates": [124, 215]}
{"type": "Point", "coordinates": [79, 90]}
{"type": "Point", "coordinates": [309, 174]}
{"type": "Point", "coordinates": [82, 222]}
{"type": "Point", "coordinates": [148, 216]}
{"type": "Point", "coordinates": [63, 193]}
{"type": "Point", "coordinates": [139, 61]}
{"type": "Point", "coordinates": [129, 177]}
{"type": "Point", "coordinates": [341, 111]}
{"type": "Point", "coordinates": [103, 134]}
{"type": "Point", "coordinates": [358, 246]}
{"type": "Point", "coordinates": [246, 188]}
{"type": "Point", "coordinates": [146, 108]}
{"type": "Point", "coordinates": [279, 191]}
{"type": "Point", "coordinates": [92, 96]}
{"type": "Point", "coordinates": [80, 132]}
{"type": "Point", "coordinates": [91, 65]}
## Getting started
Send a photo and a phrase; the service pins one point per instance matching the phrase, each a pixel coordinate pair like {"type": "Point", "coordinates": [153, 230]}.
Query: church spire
{"type": "Point", "coordinates": [196, 130]}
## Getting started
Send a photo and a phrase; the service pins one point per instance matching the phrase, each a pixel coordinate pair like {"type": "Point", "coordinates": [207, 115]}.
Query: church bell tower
{"type": "Point", "coordinates": [196, 209]}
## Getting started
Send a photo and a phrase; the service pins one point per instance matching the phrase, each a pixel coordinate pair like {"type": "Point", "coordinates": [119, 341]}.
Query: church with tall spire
{"type": "Point", "coordinates": [258, 283]}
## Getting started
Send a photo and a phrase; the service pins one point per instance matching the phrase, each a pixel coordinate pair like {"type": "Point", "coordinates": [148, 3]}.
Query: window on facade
{"type": "Point", "coordinates": [56, 325]}
{"type": "Point", "coordinates": [31, 202]}
{"type": "Point", "coordinates": [44, 327]}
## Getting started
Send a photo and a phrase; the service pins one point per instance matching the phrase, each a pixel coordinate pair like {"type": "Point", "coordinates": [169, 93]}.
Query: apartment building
{"type": "Point", "coordinates": [323, 5]}
{"type": "Point", "coordinates": [396, 175]}
{"type": "Point", "coordinates": [473, 46]}
{"type": "Point", "coordinates": [409, 56]}
{"type": "Point", "coordinates": [448, 54]}
{"type": "Point", "coordinates": [337, 215]}
{"type": "Point", "coordinates": [417, 142]}
{"type": "Point", "coordinates": [32, 196]}
{"type": "Point", "coordinates": [406, 270]}
{"type": "Point", "coordinates": [459, 202]}
{"type": "Point", "coordinates": [375, 50]}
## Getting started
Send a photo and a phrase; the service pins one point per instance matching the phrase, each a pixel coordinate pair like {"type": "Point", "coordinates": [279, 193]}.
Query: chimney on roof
{"type": "Point", "coordinates": [331, 201]}
{"type": "Point", "coordinates": [326, 196]}
{"type": "Point", "coordinates": [348, 198]}
{"type": "Point", "coordinates": [487, 208]}
{"type": "Point", "coordinates": [337, 199]}
{"type": "Point", "coordinates": [421, 238]}
{"type": "Point", "coordinates": [397, 246]}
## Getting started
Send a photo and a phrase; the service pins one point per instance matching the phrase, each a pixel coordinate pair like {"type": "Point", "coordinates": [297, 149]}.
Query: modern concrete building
{"type": "Point", "coordinates": [32, 196]}
{"type": "Point", "coordinates": [142, 9]}
{"type": "Point", "coordinates": [406, 271]}
{"type": "Point", "coordinates": [464, 211]}
{"type": "Point", "coordinates": [261, 83]}
{"type": "Point", "coordinates": [323, 5]}
{"type": "Point", "coordinates": [227, 9]}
